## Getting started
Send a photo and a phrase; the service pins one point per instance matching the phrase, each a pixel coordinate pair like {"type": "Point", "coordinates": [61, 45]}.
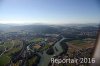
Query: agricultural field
{"type": "Point", "coordinates": [75, 45]}
{"type": "Point", "coordinates": [2, 49]}
{"type": "Point", "coordinates": [38, 39]}
{"type": "Point", "coordinates": [32, 61]}
{"type": "Point", "coordinates": [45, 47]}
{"type": "Point", "coordinates": [12, 47]}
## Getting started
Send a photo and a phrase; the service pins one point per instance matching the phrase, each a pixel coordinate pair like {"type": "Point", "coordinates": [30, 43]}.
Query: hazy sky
{"type": "Point", "coordinates": [49, 11]}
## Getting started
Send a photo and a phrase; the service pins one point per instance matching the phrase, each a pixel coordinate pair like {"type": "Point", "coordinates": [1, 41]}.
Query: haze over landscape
{"type": "Point", "coordinates": [49, 11]}
{"type": "Point", "coordinates": [32, 32]}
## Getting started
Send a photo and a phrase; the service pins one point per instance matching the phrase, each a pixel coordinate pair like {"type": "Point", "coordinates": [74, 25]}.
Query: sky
{"type": "Point", "coordinates": [49, 11]}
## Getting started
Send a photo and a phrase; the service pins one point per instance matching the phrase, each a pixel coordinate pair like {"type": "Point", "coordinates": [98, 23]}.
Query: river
{"type": "Point", "coordinates": [45, 58]}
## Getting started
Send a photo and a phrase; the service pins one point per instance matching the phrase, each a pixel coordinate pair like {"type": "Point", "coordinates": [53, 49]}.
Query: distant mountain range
{"type": "Point", "coordinates": [47, 28]}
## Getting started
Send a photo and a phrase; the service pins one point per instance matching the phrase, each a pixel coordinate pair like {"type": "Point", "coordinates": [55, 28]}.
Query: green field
{"type": "Point", "coordinates": [45, 47]}
{"type": "Point", "coordinates": [77, 42]}
{"type": "Point", "coordinates": [5, 58]}
{"type": "Point", "coordinates": [32, 60]}
{"type": "Point", "coordinates": [82, 42]}
{"type": "Point", "coordinates": [38, 40]}
{"type": "Point", "coordinates": [2, 48]}
{"type": "Point", "coordinates": [8, 44]}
